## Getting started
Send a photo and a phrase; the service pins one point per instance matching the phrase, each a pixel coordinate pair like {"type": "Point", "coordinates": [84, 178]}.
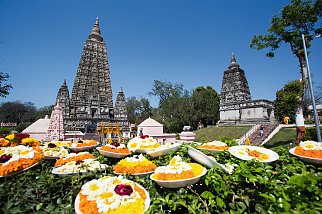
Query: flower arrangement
{"type": "Point", "coordinates": [116, 148]}
{"type": "Point", "coordinates": [310, 149]}
{"type": "Point", "coordinates": [52, 150]}
{"type": "Point", "coordinates": [80, 166]}
{"type": "Point", "coordinates": [83, 143]}
{"type": "Point", "coordinates": [16, 158]}
{"type": "Point", "coordinates": [215, 145]}
{"type": "Point", "coordinates": [142, 143]}
{"type": "Point", "coordinates": [112, 195]}
{"type": "Point", "coordinates": [74, 157]}
{"type": "Point", "coordinates": [19, 139]}
{"type": "Point", "coordinates": [177, 170]}
{"type": "Point", "coordinates": [134, 165]}
{"type": "Point", "coordinates": [256, 154]}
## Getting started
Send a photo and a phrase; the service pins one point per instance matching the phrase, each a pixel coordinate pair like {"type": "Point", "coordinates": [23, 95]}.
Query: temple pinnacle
{"type": "Point", "coordinates": [97, 22]}
{"type": "Point", "coordinates": [233, 63]}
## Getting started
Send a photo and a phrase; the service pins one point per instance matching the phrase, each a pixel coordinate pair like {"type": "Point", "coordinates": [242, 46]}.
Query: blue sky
{"type": "Point", "coordinates": [184, 41]}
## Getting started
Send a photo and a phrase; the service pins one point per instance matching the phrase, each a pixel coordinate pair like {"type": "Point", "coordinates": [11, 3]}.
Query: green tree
{"type": "Point", "coordinates": [299, 17]}
{"type": "Point", "coordinates": [43, 111]}
{"type": "Point", "coordinates": [4, 87]}
{"type": "Point", "coordinates": [165, 90]}
{"type": "Point", "coordinates": [205, 103]}
{"type": "Point", "coordinates": [17, 112]}
{"type": "Point", "coordinates": [138, 110]}
{"type": "Point", "coordinates": [287, 98]}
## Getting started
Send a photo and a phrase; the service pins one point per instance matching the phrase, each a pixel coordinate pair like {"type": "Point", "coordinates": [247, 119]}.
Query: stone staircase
{"type": "Point", "coordinates": [254, 135]}
{"type": "Point", "coordinates": [256, 139]}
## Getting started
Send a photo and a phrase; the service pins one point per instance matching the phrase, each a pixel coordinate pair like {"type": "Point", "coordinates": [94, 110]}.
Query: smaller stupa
{"type": "Point", "coordinates": [56, 129]}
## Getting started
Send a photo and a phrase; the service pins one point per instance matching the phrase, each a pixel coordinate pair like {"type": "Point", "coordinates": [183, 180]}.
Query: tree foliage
{"type": "Point", "coordinates": [299, 17]}
{"type": "Point", "coordinates": [17, 112]}
{"type": "Point", "coordinates": [287, 99]}
{"type": "Point", "coordinates": [138, 110]}
{"type": "Point", "coordinates": [4, 87]}
{"type": "Point", "coordinates": [43, 111]}
{"type": "Point", "coordinates": [178, 107]}
{"type": "Point", "coordinates": [205, 103]}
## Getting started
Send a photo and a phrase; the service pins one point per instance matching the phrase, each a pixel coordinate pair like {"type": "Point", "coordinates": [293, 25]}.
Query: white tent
{"type": "Point", "coordinates": [151, 127]}
{"type": "Point", "coordinates": [38, 129]}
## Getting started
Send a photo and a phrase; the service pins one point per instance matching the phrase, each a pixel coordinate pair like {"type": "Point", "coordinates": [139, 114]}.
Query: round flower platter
{"type": "Point", "coordinates": [134, 174]}
{"type": "Point", "coordinates": [18, 172]}
{"type": "Point", "coordinates": [305, 158]}
{"type": "Point", "coordinates": [81, 149]}
{"type": "Point", "coordinates": [178, 183]}
{"type": "Point", "coordinates": [212, 150]}
{"type": "Point", "coordinates": [163, 150]}
{"type": "Point", "coordinates": [76, 167]}
{"type": "Point", "coordinates": [253, 152]}
{"type": "Point", "coordinates": [213, 147]}
{"type": "Point", "coordinates": [110, 188]}
{"type": "Point", "coordinates": [112, 154]}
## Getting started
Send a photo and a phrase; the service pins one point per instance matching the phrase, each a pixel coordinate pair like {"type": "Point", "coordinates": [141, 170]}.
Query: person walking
{"type": "Point", "coordinates": [261, 131]}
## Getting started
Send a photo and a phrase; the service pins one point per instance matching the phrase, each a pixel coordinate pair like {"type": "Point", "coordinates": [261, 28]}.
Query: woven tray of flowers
{"type": "Point", "coordinates": [112, 195]}
{"type": "Point", "coordinates": [18, 158]}
{"type": "Point", "coordinates": [143, 144]}
{"type": "Point", "coordinates": [114, 150]}
{"type": "Point", "coordinates": [83, 145]}
{"type": "Point", "coordinates": [136, 165]}
{"type": "Point", "coordinates": [178, 173]}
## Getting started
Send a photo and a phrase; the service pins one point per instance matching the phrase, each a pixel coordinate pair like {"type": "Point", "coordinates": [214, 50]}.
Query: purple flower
{"type": "Point", "coordinates": [123, 189]}
{"type": "Point", "coordinates": [4, 158]}
{"type": "Point", "coordinates": [116, 144]}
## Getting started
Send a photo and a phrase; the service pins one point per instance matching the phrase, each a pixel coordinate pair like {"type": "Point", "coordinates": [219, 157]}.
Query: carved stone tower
{"type": "Point", "coordinates": [236, 105]}
{"type": "Point", "coordinates": [62, 100]}
{"type": "Point", "coordinates": [120, 111]}
{"type": "Point", "coordinates": [234, 85]}
{"type": "Point", "coordinates": [91, 99]}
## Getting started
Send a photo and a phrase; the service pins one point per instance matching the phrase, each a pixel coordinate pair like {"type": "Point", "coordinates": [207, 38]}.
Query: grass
{"type": "Point", "coordinates": [213, 133]}
{"type": "Point", "coordinates": [284, 138]}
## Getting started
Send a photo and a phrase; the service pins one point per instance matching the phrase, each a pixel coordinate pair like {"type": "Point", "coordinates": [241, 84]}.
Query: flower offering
{"type": "Point", "coordinates": [112, 195]}
{"type": "Point", "coordinates": [177, 170]}
{"type": "Point", "coordinates": [16, 158]}
{"type": "Point", "coordinates": [116, 148]}
{"type": "Point", "coordinates": [80, 166]}
{"type": "Point", "coordinates": [83, 143]}
{"type": "Point", "coordinates": [19, 139]}
{"type": "Point", "coordinates": [309, 149]}
{"type": "Point", "coordinates": [216, 145]}
{"type": "Point", "coordinates": [134, 165]}
{"type": "Point", "coordinates": [74, 157]}
{"type": "Point", "coordinates": [142, 143]}
{"type": "Point", "coordinates": [52, 150]}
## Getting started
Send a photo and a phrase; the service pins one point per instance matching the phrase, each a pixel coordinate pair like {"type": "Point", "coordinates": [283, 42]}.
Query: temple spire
{"type": "Point", "coordinates": [233, 63]}
{"type": "Point", "coordinates": [96, 32]}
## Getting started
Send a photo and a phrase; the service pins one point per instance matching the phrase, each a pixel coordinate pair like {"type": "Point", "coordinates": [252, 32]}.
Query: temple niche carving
{"type": "Point", "coordinates": [91, 100]}
{"type": "Point", "coordinates": [236, 105]}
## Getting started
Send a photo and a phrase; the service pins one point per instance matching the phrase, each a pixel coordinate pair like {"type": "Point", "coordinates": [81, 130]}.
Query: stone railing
{"type": "Point", "coordinates": [242, 140]}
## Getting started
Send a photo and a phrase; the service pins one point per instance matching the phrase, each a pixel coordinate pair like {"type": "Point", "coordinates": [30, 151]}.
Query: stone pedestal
{"type": "Point", "coordinates": [187, 136]}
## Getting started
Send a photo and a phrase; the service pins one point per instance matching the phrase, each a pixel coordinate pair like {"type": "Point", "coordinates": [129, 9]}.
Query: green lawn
{"type": "Point", "coordinates": [284, 138]}
{"type": "Point", "coordinates": [213, 133]}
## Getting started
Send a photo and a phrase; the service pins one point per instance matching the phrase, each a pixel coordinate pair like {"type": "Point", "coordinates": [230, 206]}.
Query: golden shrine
{"type": "Point", "coordinates": [107, 129]}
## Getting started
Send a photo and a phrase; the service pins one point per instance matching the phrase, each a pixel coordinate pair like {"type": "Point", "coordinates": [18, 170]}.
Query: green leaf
{"type": "Point", "coordinates": [220, 202]}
